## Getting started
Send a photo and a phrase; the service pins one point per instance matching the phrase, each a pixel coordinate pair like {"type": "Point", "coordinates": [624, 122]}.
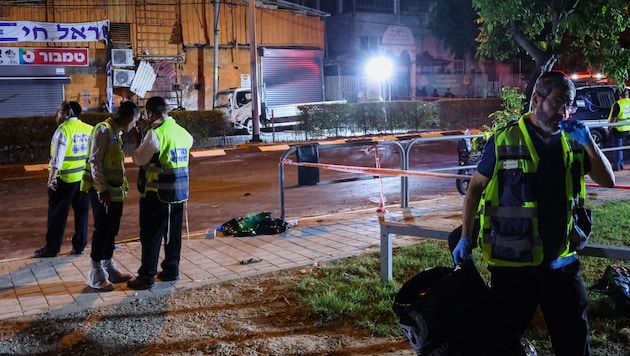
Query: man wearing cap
{"type": "Point", "coordinates": [163, 184]}
{"type": "Point", "coordinates": [68, 152]}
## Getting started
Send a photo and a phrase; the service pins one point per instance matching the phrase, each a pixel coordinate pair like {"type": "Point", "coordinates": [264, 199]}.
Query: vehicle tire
{"type": "Point", "coordinates": [462, 183]}
{"type": "Point", "coordinates": [599, 138]}
{"type": "Point", "coordinates": [249, 124]}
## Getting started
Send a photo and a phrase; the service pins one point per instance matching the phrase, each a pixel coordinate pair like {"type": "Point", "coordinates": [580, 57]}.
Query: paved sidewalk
{"type": "Point", "coordinates": [57, 285]}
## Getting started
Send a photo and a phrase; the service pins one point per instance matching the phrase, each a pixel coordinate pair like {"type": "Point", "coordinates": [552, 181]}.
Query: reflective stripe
{"type": "Point", "coordinates": [76, 158]}
{"type": "Point", "coordinates": [179, 185]}
{"type": "Point", "coordinates": [70, 171]}
{"type": "Point", "coordinates": [513, 152]}
{"type": "Point", "coordinates": [175, 170]}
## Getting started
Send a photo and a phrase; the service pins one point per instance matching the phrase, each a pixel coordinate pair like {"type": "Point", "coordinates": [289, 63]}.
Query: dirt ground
{"type": "Point", "coordinates": [253, 316]}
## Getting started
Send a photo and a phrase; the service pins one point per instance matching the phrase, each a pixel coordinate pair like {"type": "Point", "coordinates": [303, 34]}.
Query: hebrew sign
{"type": "Point", "coordinates": [32, 31]}
{"type": "Point", "coordinates": [43, 56]}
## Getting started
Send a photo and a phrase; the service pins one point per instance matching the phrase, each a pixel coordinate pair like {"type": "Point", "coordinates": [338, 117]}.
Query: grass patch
{"type": "Point", "coordinates": [351, 290]}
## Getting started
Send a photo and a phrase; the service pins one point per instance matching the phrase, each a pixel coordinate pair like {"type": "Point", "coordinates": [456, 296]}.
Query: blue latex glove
{"type": "Point", "coordinates": [463, 250]}
{"type": "Point", "coordinates": [577, 130]}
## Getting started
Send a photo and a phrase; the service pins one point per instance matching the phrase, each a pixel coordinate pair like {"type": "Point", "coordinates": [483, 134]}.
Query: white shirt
{"type": "Point", "coordinates": [149, 147]}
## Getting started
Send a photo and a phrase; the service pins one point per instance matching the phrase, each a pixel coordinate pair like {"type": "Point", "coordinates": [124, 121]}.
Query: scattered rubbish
{"type": "Point", "coordinates": [211, 234]}
{"type": "Point", "coordinates": [252, 225]}
{"type": "Point", "coordinates": [251, 260]}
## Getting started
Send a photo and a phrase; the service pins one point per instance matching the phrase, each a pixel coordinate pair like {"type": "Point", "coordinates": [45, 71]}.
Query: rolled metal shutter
{"type": "Point", "coordinates": [291, 76]}
{"type": "Point", "coordinates": [21, 100]}
{"type": "Point", "coordinates": [31, 90]}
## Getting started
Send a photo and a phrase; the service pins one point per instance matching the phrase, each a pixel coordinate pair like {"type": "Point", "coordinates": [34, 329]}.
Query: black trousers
{"type": "Point", "coordinates": [515, 294]}
{"type": "Point", "coordinates": [59, 202]}
{"type": "Point", "coordinates": [159, 220]}
{"type": "Point", "coordinates": [106, 226]}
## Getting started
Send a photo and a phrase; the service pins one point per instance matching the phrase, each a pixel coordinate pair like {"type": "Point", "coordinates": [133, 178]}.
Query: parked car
{"type": "Point", "coordinates": [593, 107]}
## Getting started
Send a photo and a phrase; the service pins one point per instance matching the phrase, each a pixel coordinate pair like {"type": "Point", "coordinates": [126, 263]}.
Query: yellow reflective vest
{"type": "Point", "coordinates": [624, 114]}
{"type": "Point", "coordinates": [78, 135]}
{"type": "Point", "coordinates": [509, 234]}
{"type": "Point", "coordinates": [167, 172]}
{"type": "Point", "coordinates": [113, 165]}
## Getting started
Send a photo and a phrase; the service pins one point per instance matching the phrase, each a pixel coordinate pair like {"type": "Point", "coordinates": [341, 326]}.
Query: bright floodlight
{"type": "Point", "coordinates": [379, 68]}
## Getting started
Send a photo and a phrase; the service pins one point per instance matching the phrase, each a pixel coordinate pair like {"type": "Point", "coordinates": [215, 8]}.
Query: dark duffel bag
{"type": "Point", "coordinates": [440, 311]}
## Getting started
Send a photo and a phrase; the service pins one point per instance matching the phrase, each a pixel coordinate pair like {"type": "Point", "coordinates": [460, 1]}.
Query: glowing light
{"type": "Point", "coordinates": [379, 68]}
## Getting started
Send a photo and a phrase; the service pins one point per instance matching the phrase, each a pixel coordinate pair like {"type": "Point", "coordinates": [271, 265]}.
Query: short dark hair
{"type": "Point", "coordinates": [549, 81]}
{"type": "Point", "coordinates": [157, 104]}
{"type": "Point", "coordinates": [127, 109]}
{"type": "Point", "coordinates": [75, 108]}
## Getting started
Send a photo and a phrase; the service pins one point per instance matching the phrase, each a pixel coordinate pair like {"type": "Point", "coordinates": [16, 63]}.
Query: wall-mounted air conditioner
{"type": "Point", "coordinates": [123, 77]}
{"type": "Point", "coordinates": [122, 57]}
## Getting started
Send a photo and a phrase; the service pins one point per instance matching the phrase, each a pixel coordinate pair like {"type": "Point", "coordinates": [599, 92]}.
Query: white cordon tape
{"type": "Point", "coordinates": [379, 171]}
{"type": "Point", "coordinates": [381, 206]}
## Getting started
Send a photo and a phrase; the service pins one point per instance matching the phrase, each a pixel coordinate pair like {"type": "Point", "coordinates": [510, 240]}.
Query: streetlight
{"type": "Point", "coordinates": [380, 69]}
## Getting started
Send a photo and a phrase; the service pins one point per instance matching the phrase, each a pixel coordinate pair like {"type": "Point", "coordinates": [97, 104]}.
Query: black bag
{"type": "Point", "coordinates": [581, 229]}
{"type": "Point", "coordinates": [615, 283]}
{"type": "Point", "coordinates": [440, 311]}
{"type": "Point", "coordinates": [252, 225]}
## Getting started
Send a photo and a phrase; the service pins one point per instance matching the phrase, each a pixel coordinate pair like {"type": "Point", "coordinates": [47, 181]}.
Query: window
{"type": "Point", "coordinates": [369, 44]}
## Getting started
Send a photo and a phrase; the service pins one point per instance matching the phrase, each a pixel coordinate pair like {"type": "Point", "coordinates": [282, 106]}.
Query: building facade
{"type": "Point", "coordinates": [182, 50]}
{"type": "Point", "coordinates": [100, 53]}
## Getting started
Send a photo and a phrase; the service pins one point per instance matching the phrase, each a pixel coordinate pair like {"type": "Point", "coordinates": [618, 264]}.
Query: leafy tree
{"type": "Point", "coordinates": [549, 29]}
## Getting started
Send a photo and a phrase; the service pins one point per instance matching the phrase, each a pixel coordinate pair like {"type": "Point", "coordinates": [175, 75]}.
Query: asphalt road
{"type": "Point", "coordinates": [242, 182]}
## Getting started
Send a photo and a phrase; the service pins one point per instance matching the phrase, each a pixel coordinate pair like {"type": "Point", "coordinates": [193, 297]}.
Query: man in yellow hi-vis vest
{"type": "Point", "coordinates": [528, 182]}
{"type": "Point", "coordinates": [620, 113]}
{"type": "Point", "coordinates": [163, 184]}
{"type": "Point", "coordinates": [68, 152]}
{"type": "Point", "coordinates": [105, 182]}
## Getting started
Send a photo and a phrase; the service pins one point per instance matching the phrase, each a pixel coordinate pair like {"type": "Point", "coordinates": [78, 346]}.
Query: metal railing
{"type": "Point", "coordinates": [389, 228]}
{"type": "Point", "coordinates": [293, 150]}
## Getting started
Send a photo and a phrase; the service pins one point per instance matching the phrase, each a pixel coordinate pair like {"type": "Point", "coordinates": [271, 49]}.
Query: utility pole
{"type": "Point", "coordinates": [253, 63]}
{"type": "Point", "coordinates": [215, 77]}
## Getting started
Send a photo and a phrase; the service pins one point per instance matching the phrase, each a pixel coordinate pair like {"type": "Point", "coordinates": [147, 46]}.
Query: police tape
{"type": "Point", "coordinates": [399, 172]}
{"type": "Point", "coordinates": [375, 171]}
{"type": "Point", "coordinates": [593, 185]}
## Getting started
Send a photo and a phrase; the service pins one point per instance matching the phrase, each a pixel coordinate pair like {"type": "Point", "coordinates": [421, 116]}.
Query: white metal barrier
{"type": "Point", "coordinates": [389, 228]}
